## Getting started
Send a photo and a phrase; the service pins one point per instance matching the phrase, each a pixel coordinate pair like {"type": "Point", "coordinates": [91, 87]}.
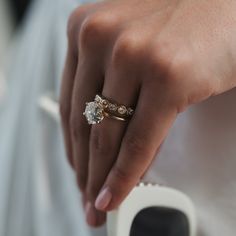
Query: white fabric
{"type": "Point", "coordinates": [38, 194]}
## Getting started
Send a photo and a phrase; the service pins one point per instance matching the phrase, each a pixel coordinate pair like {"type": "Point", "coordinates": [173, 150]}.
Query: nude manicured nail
{"type": "Point", "coordinates": [103, 199]}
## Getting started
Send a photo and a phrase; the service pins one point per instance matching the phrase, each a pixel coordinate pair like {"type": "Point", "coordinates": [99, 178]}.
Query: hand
{"type": "Point", "coordinates": [157, 56]}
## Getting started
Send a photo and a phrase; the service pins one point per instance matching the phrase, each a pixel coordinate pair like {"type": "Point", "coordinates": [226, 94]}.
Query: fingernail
{"type": "Point", "coordinates": [90, 214]}
{"type": "Point", "coordinates": [103, 199]}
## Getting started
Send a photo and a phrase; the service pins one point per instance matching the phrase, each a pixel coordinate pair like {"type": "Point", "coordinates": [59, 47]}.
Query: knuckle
{"type": "Point", "coordinates": [161, 58]}
{"type": "Point", "coordinates": [95, 28]}
{"type": "Point", "coordinates": [173, 66]}
{"type": "Point", "coordinates": [99, 144]}
{"type": "Point", "coordinates": [127, 49]}
{"type": "Point", "coordinates": [171, 60]}
{"type": "Point", "coordinates": [181, 62]}
{"type": "Point", "coordinates": [76, 19]}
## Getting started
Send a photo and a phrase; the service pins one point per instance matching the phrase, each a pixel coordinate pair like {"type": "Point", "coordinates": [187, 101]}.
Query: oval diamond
{"type": "Point", "coordinates": [94, 113]}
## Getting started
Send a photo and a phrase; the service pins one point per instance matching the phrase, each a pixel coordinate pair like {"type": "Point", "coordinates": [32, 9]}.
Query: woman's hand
{"type": "Point", "coordinates": [157, 56]}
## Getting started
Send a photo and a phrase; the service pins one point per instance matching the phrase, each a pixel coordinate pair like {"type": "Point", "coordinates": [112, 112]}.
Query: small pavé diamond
{"type": "Point", "coordinates": [130, 111]}
{"type": "Point", "coordinates": [112, 107]}
{"type": "Point", "coordinates": [105, 103]}
{"type": "Point", "coordinates": [122, 110]}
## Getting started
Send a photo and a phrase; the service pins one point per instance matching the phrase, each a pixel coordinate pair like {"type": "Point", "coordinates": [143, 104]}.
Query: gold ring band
{"type": "Point", "coordinates": [114, 117]}
{"type": "Point", "coordinates": [114, 108]}
{"type": "Point", "coordinates": [102, 107]}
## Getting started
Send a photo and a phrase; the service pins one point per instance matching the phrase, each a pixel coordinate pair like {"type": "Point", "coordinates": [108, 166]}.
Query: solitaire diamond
{"type": "Point", "coordinates": [93, 113]}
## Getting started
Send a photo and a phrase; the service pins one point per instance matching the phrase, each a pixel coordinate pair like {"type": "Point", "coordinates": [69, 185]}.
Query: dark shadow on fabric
{"type": "Point", "coordinates": [19, 8]}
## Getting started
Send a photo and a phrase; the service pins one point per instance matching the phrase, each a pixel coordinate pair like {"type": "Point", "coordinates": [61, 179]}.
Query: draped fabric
{"type": "Point", "coordinates": [38, 193]}
{"type": "Point", "coordinates": [5, 27]}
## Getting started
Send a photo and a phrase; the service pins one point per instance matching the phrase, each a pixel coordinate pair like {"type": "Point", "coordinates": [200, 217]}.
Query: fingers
{"type": "Point", "coordinates": [144, 134]}
{"type": "Point", "coordinates": [88, 83]}
{"type": "Point", "coordinates": [94, 217]}
{"type": "Point", "coordinates": [105, 138]}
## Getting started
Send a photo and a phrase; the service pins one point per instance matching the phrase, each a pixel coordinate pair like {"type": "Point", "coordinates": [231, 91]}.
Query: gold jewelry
{"type": "Point", "coordinates": [102, 107]}
{"type": "Point", "coordinates": [113, 116]}
{"type": "Point", "coordinates": [114, 108]}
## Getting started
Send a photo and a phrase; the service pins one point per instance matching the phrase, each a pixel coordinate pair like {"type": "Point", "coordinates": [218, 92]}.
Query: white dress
{"type": "Point", "coordinates": [38, 194]}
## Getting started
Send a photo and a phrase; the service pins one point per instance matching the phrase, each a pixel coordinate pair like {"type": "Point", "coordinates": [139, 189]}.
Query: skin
{"type": "Point", "coordinates": [159, 57]}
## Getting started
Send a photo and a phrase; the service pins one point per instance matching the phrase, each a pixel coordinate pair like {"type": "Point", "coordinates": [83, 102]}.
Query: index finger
{"type": "Point", "coordinates": [145, 133]}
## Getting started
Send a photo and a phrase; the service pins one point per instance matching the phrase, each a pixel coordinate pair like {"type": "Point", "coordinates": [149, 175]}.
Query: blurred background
{"type": "Point", "coordinates": [38, 191]}
{"type": "Point", "coordinates": [12, 13]}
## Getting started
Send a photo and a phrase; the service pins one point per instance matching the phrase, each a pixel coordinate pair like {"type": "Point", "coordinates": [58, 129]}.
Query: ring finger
{"type": "Point", "coordinates": [105, 138]}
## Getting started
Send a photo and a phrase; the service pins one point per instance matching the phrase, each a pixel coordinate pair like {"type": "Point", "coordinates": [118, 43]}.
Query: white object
{"type": "Point", "coordinates": [119, 221]}
{"type": "Point", "coordinates": [51, 107]}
